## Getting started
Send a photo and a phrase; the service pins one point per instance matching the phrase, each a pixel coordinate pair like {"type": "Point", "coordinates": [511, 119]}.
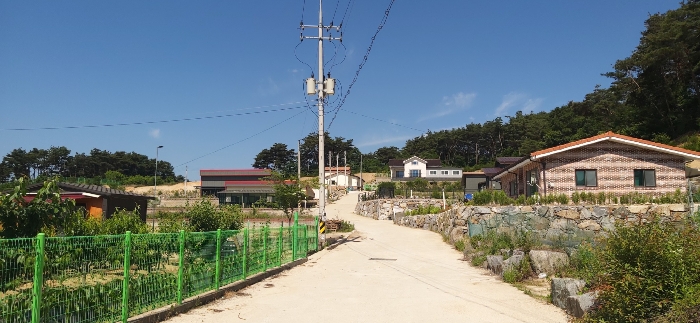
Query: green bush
{"type": "Point", "coordinates": [429, 209]}
{"type": "Point", "coordinates": [204, 216]}
{"type": "Point", "coordinates": [575, 197]}
{"type": "Point", "coordinates": [169, 222]}
{"type": "Point", "coordinates": [645, 269]}
{"type": "Point", "coordinates": [460, 245]}
{"type": "Point", "coordinates": [123, 221]}
{"type": "Point", "coordinates": [487, 197]}
{"type": "Point", "coordinates": [518, 273]}
{"type": "Point", "coordinates": [562, 199]}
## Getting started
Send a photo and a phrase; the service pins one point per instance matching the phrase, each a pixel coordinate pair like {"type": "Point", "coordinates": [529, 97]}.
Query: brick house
{"type": "Point", "coordinates": [608, 162]}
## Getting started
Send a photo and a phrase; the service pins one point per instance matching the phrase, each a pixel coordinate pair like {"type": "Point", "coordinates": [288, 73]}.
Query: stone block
{"type": "Point", "coordinates": [586, 214]}
{"type": "Point", "coordinates": [562, 288]}
{"type": "Point", "coordinates": [607, 223]}
{"type": "Point", "coordinates": [600, 211]}
{"type": "Point", "coordinates": [662, 210]}
{"type": "Point", "coordinates": [589, 225]}
{"type": "Point", "coordinates": [638, 209]}
{"type": "Point", "coordinates": [560, 224]}
{"type": "Point", "coordinates": [569, 214]}
{"type": "Point", "coordinates": [513, 262]}
{"type": "Point", "coordinates": [457, 233]}
{"type": "Point", "coordinates": [578, 305]}
{"type": "Point", "coordinates": [460, 222]}
{"type": "Point", "coordinates": [481, 210]}
{"type": "Point", "coordinates": [495, 264]}
{"type": "Point", "coordinates": [545, 261]}
{"type": "Point", "coordinates": [677, 208]}
{"type": "Point", "coordinates": [526, 208]}
{"type": "Point", "coordinates": [539, 223]}
{"type": "Point", "coordinates": [543, 211]}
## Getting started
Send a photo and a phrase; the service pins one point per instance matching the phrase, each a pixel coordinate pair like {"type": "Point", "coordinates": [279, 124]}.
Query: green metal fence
{"type": "Point", "coordinates": [111, 278]}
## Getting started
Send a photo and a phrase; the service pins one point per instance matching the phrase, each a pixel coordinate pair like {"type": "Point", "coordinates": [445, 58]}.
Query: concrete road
{"type": "Point", "coordinates": [387, 274]}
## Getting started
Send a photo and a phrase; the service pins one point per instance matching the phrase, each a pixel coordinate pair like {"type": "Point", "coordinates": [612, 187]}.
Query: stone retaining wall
{"type": "Point", "coordinates": [568, 224]}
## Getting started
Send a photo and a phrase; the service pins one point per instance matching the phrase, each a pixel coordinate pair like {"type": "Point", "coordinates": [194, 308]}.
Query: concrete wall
{"type": "Point", "coordinates": [571, 224]}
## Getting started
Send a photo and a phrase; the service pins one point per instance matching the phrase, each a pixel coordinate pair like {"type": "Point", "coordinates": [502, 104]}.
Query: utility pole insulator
{"type": "Point", "coordinates": [311, 86]}
{"type": "Point", "coordinates": [329, 86]}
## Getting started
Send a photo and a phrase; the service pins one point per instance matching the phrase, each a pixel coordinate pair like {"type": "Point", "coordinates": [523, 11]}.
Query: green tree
{"type": "Point", "coordinates": [277, 158]}
{"type": "Point", "coordinates": [288, 193]}
{"type": "Point", "coordinates": [46, 212]}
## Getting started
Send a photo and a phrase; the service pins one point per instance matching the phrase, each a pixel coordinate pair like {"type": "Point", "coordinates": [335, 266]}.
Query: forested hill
{"type": "Point", "coordinates": [655, 95]}
{"type": "Point", "coordinates": [98, 164]}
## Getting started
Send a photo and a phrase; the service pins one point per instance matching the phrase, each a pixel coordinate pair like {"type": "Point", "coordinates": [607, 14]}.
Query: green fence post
{"type": "Point", "coordinates": [217, 274]}
{"type": "Point", "coordinates": [295, 233]}
{"type": "Point", "coordinates": [125, 282]}
{"type": "Point", "coordinates": [306, 240]}
{"type": "Point", "coordinates": [316, 245]}
{"type": "Point", "coordinates": [245, 251]}
{"type": "Point", "coordinates": [279, 246]}
{"type": "Point", "coordinates": [38, 278]}
{"type": "Point", "coordinates": [181, 267]}
{"type": "Point", "coordinates": [264, 248]}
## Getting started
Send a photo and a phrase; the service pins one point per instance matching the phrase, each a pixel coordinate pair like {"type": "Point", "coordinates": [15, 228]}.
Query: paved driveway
{"type": "Point", "coordinates": [386, 274]}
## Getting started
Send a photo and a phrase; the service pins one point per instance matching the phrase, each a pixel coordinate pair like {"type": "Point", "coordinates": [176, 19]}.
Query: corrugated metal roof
{"type": "Point", "coordinates": [93, 189]}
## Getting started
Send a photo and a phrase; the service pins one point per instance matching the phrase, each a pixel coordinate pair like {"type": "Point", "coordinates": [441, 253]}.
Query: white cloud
{"type": "Point", "coordinates": [532, 104]}
{"type": "Point", "coordinates": [452, 104]}
{"type": "Point", "coordinates": [521, 101]}
{"type": "Point", "coordinates": [383, 141]}
{"type": "Point", "coordinates": [155, 133]}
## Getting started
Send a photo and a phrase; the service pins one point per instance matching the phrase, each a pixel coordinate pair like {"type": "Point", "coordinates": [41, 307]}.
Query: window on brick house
{"type": "Point", "coordinates": [586, 177]}
{"type": "Point", "coordinates": [644, 178]}
{"type": "Point", "coordinates": [513, 187]}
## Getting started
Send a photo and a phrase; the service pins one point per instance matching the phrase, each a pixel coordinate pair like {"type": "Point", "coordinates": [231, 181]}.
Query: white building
{"type": "Point", "coordinates": [430, 169]}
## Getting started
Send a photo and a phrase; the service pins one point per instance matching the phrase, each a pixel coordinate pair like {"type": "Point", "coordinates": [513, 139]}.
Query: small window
{"type": "Point", "coordinates": [444, 172]}
{"type": "Point", "coordinates": [414, 163]}
{"type": "Point", "coordinates": [433, 172]}
{"type": "Point", "coordinates": [455, 172]}
{"type": "Point", "coordinates": [399, 173]}
{"type": "Point", "coordinates": [586, 177]}
{"type": "Point", "coordinates": [644, 178]}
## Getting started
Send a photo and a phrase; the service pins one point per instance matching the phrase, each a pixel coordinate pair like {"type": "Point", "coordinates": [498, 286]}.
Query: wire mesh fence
{"type": "Point", "coordinates": [111, 278]}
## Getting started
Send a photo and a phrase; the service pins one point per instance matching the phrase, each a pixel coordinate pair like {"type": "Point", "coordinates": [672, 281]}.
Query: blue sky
{"type": "Point", "coordinates": [436, 65]}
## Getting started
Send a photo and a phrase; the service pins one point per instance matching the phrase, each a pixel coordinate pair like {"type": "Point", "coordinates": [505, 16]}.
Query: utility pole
{"type": "Point", "coordinates": [361, 185]}
{"type": "Point", "coordinates": [337, 170]}
{"type": "Point", "coordinates": [322, 87]}
{"type": "Point", "coordinates": [299, 170]}
{"type": "Point", "coordinates": [186, 195]}
{"type": "Point", "coordinates": [345, 168]}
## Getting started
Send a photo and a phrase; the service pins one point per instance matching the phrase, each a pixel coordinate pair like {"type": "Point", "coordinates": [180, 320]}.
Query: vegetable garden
{"type": "Point", "coordinates": [110, 278]}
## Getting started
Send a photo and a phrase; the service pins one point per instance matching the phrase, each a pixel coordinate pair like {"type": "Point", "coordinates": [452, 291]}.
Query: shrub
{"type": "Point", "coordinates": [526, 241]}
{"type": "Point", "coordinates": [601, 198]}
{"type": "Point", "coordinates": [562, 199]}
{"type": "Point", "coordinates": [204, 216]}
{"type": "Point", "coordinates": [518, 273]}
{"type": "Point", "coordinates": [429, 209]}
{"type": "Point", "coordinates": [171, 222]}
{"type": "Point", "coordinates": [645, 269]}
{"type": "Point", "coordinates": [575, 197]}
{"type": "Point", "coordinates": [123, 221]}
{"type": "Point", "coordinates": [460, 245]}
{"type": "Point", "coordinates": [346, 226]}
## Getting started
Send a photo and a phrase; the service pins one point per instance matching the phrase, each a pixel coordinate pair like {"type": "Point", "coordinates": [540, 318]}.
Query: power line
{"type": "Point", "coordinates": [242, 140]}
{"type": "Point", "coordinates": [386, 121]}
{"type": "Point", "coordinates": [364, 60]}
{"type": "Point", "coordinates": [155, 122]}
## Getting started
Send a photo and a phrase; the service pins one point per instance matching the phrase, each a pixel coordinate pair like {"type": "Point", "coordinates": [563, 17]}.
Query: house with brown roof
{"type": "Point", "coordinates": [609, 162]}
{"type": "Point", "coordinates": [237, 186]}
{"type": "Point", "coordinates": [98, 201]}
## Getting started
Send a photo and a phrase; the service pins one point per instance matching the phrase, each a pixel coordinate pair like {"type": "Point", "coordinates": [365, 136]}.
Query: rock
{"type": "Point", "coordinates": [457, 233]}
{"type": "Point", "coordinates": [638, 209]}
{"type": "Point", "coordinates": [662, 210]}
{"type": "Point", "coordinates": [589, 225]}
{"type": "Point", "coordinates": [569, 214]}
{"type": "Point", "coordinates": [526, 209]}
{"type": "Point", "coordinates": [460, 222]}
{"type": "Point", "coordinates": [482, 210]}
{"type": "Point", "coordinates": [560, 224]}
{"type": "Point", "coordinates": [578, 305]}
{"type": "Point", "coordinates": [586, 214]}
{"type": "Point", "coordinates": [608, 223]}
{"type": "Point", "coordinates": [495, 264]}
{"type": "Point", "coordinates": [514, 261]}
{"type": "Point", "coordinates": [543, 210]}
{"type": "Point", "coordinates": [677, 208]}
{"type": "Point", "coordinates": [545, 261]}
{"type": "Point", "coordinates": [599, 211]}
{"type": "Point", "coordinates": [563, 288]}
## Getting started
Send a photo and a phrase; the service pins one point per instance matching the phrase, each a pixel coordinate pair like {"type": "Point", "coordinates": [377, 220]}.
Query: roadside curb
{"type": "Point", "coordinates": [340, 241]}
{"type": "Point", "coordinates": [161, 314]}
